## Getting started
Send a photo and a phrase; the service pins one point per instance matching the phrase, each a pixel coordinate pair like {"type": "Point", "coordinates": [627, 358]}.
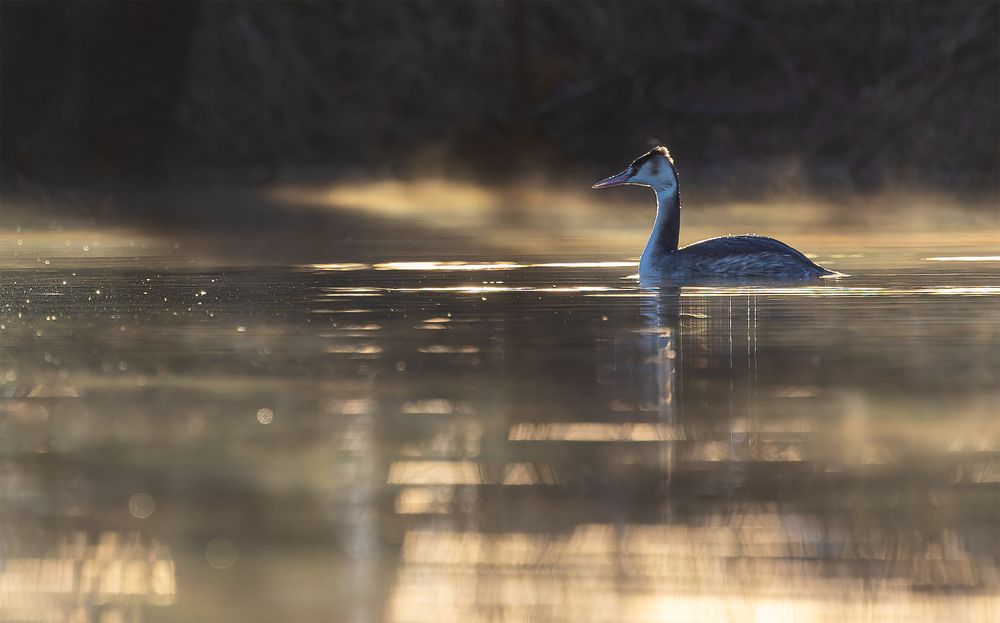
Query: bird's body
{"type": "Point", "coordinates": [736, 256]}
{"type": "Point", "coordinates": [755, 257]}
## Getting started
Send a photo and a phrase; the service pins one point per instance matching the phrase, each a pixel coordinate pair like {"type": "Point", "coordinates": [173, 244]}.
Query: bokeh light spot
{"type": "Point", "coordinates": [141, 505]}
{"type": "Point", "coordinates": [221, 553]}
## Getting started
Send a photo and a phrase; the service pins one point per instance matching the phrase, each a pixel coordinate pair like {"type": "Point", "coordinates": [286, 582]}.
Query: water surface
{"type": "Point", "coordinates": [499, 441]}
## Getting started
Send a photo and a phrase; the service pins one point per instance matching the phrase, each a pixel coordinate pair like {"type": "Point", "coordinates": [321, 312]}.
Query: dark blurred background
{"type": "Point", "coordinates": [856, 95]}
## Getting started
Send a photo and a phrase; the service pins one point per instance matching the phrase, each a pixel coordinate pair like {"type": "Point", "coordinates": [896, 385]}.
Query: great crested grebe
{"type": "Point", "coordinates": [727, 256]}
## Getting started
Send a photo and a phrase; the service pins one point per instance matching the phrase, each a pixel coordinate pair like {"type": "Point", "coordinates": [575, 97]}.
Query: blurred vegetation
{"type": "Point", "coordinates": [859, 95]}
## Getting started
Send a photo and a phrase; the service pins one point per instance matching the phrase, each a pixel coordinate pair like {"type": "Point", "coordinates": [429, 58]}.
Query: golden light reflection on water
{"type": "Point", "coordinates": [434, 473]}
{"type": "Point", "coordinates": [119, 570]}
{"type": "Point", "coordinates": [685, 290]}
{"type": "Point", "coordinates": [463, 289]}
{"type": "Point", "coordinates": [450, 266]}
{"type": "Point", "coordinates": [425, 473]}
{"type": "Point", "coordinates": [593, 431]}
{"type": "Point", "coordinates": [761, 566]}
{"type": "Point", "coordinates": [840, 289]}
{"type": "Point", "coordinates": [435, 406]}
{"type": "Point", "coordinates": [433, 265]}
{"type": "Point", "coordinates": [697, 292]}
{"type": "Point", "coordinates": [444, 349]}
{"type": "Point", "coordinates": [354, 349]}
{"type": "Point", "coordinates": [424, 501]}
{"type": "Point", "coordinates": [965, 258]}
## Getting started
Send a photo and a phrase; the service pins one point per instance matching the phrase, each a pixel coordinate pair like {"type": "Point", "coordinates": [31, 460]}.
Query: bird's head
{"type": "Point", "coordinates": [654, 169]}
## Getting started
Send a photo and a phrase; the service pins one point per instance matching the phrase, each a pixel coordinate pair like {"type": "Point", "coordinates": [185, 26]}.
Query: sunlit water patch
{"type": "Point", "coordinates": [966, 258]}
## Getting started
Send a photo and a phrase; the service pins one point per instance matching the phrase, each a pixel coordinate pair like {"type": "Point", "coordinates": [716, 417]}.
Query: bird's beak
{"type": "Point", "coordinates": [614, 180]}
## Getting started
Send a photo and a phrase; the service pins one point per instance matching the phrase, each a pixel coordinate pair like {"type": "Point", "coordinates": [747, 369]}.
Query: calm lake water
{"type": "Point", "coordinates": [499, 442]}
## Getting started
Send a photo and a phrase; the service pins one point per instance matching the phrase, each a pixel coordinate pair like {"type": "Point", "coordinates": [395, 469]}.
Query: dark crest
{"type": "Point", "coordinates": [651, 155]}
